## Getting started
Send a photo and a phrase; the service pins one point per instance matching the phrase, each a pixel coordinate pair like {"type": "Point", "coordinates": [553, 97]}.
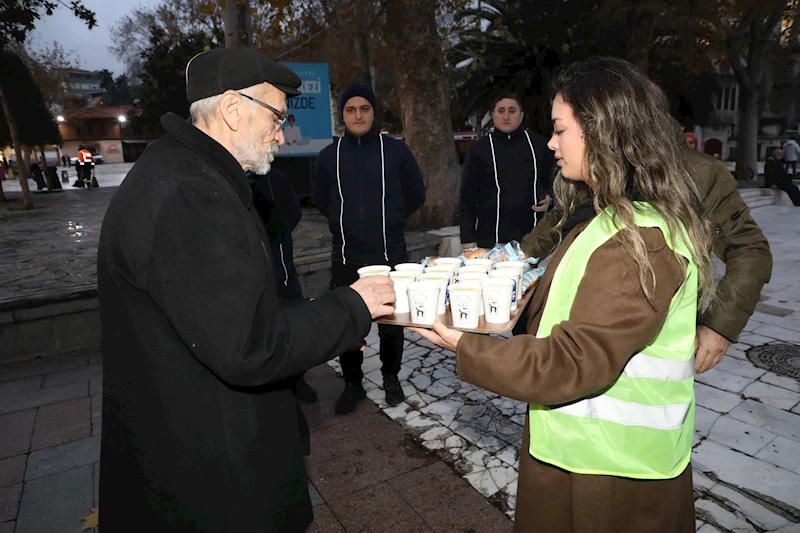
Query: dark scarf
{"type": "Point", "coordinates": [582, 213]}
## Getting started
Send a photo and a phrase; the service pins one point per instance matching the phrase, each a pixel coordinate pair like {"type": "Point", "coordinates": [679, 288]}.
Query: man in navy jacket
{"type": "Point", "coordinates": [505, 181]}
{"type": "Point", "coordinates": [367, 185]}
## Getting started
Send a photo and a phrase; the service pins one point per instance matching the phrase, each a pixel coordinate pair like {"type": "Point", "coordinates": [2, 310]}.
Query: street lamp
{"type": "Point", "coordinates": [60, 118]}
{"type": "Point", "coordinates": [122, 118]}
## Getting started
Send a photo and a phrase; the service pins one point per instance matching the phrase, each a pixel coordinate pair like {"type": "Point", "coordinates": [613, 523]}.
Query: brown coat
{"type": "Point", "coordinates": [609, 322]}
{"type": "Point", "coordinates": [739, 243]}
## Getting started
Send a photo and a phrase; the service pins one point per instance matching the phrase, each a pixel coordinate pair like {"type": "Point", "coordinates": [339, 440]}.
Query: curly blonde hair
{"type": "Point", "coordinates": [635, 151]}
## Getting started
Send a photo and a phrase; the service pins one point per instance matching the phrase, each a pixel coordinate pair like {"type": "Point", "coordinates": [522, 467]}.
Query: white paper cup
{"type": "Point", "coordinates": [473, 277]}
{"type": "Point", "coordinates": [473, 268]}
{"type": "Point", "coordinates": [374, 270]}
{"type": "Point", "coordinates": [481, 261]}
{"type": "Point", "coordinates": [401, 282]}
{"type": "Point", "coordinates": [515, 276]}
{"type": "Point", "coordinates": [497, 294]}
{"type": "Point", "coordinates": [510, 264]}
{"type": "Point", "coordinates": [444, 282]}
{"type": "Point", "coordinates": [448, 270]}
{"type": "Point", "coordinates": [410, 267]}
{"type": "Point", "coordinates": [455, 261]}
{"type": "Point", "coordinates": [423, 300]}
{"type": "Point", "coordinates": [477, 284]}
{"type": "Point", "coordinates": [465, 304]}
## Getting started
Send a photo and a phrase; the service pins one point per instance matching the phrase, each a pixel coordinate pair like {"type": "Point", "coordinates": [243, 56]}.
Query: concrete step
{"type": "Point", "coordinates": [755, 198]}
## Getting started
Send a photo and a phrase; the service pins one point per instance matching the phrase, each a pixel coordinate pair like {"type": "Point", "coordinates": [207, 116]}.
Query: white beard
{"type": "Point", "coordinates": [252, 157]}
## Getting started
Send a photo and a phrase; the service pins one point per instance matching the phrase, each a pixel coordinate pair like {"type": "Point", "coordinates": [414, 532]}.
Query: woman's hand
{"type": "Point", "coordinates": [441, 335]}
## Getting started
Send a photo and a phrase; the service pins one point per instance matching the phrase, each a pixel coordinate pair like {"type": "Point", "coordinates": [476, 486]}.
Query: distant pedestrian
{"type": "Point", "coordinates": [2, 172]}
{"type": "Point", "coordinates": [776, 177]}
{"type": "Point", "coordinates": [691, 140]}
{"type": "Point", "coordinates": [64, 160]}
{"type": "Point", "coordinates": [790, 152]}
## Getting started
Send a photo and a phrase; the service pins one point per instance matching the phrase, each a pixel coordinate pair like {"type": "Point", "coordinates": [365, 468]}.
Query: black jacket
{"type": "Point", "coordinates": [276, 202]}
{"type": "Point", "coordinates": [521, 185]}
{"type": "Point", "coordinates": [371, 205]}
{"type": "Point", "coordinates": [775, 174]}
{"type": "Point", "coordinates": [200, 425]}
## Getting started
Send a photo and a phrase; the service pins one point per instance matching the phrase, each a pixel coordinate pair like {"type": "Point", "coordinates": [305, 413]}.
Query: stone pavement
{"type": "Point", "coordinates": [366, 473]}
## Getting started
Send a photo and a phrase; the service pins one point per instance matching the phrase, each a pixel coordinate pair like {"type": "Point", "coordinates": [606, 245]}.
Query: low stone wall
{"type": "Point", "coordinates": [70, 322]}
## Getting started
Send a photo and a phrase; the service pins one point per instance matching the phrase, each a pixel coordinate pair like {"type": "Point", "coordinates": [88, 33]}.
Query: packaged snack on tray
{"type": "Point", "coordinates": [428, 261]}
{"type": "Point", "coordinates": [510, 251]}
{"type": "Point", "coordinates": [474, 253]}
{"type": "Point", "coordinates": [530, 276]}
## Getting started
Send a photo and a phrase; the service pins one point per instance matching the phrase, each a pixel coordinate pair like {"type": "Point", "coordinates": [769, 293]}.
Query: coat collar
{"type": "Point", "coordinates": [368, 138]}
{"type": "Point", "coordinates": [212, 152]}
{"type": "Point", "coordinates": [513, 136]}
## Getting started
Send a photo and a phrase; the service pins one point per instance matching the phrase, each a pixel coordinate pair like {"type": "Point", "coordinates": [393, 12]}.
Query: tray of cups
{"type": "Point", "coordinates": [477, 298]}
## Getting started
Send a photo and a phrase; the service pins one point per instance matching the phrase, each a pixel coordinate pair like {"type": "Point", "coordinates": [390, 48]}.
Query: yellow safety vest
{"type": "Point", "coordinates": [641, 426]}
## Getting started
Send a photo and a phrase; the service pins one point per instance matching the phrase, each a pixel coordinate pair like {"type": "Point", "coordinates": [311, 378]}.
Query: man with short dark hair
{"type": "Point", "coordinates": [505, 181]}
{"type": "Point", "coordinates": [777, 178]}
{"type": "Point", "coordinates": [201, 428]}
{"type": "Point", "coordinates": [367, 185]}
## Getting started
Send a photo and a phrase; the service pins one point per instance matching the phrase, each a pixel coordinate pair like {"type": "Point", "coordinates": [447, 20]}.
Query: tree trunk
{"type": "Point", "coordinates": [747, 138]}
{"type": "Point", "coordinates": [361, 44]}
{"type": "Point", "coordinates": [422, 87]}
{"type": "Point", "coordinates": [238, 24]}
{"type": "Point", "coordinates": [22, 172]}
{"type": "Point", "coordinates": [44, 158]}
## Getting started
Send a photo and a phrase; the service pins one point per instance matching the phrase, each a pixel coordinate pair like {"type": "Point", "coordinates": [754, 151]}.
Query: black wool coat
{"type": "Point", "coordinates": [201, 429]}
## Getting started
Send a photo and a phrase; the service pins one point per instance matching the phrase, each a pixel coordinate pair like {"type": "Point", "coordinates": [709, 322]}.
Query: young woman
{"type": "Point", "coordinates": [607, 365]}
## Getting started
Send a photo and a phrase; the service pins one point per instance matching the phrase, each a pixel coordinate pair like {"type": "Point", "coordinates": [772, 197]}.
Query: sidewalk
{"type": "Point", "coordinates": [394, 469]}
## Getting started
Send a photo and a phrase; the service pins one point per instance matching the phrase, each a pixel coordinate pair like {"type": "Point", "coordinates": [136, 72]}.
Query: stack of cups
{"type": "Point", "coordinates": [488, 263]}
{"type": "Point", "coordinates": [473, 277]}
{"type": "Point", "coordinates": [465, 301]}
{"type": "Point", "coordinates": [448, 261]}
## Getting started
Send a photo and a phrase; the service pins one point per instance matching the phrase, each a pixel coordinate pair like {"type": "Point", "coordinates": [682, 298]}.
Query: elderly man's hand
{"type": "Point", "coordinates": [378, 293]}
{"type": "Point", "coordinates": [710, 348]}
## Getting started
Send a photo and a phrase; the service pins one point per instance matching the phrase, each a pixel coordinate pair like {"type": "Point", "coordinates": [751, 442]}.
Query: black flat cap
{"type": "Point", "coordinates": [216, 71]}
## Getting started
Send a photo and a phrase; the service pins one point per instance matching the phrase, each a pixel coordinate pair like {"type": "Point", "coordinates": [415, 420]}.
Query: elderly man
{"type": "Point", "coordinates": [201, 428]}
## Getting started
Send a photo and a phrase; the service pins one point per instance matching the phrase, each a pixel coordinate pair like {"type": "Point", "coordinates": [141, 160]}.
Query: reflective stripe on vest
{"type": "Point", "coordinates": [642, 425]}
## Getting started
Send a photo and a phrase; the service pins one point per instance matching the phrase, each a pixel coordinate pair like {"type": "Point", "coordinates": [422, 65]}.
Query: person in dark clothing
{"type": "Point", "coordinates": [276, 202]}
{"type": "Point", "coordinates": [367, 185]}
{"type": "Point", "coordinates": [202, 431]}
{"type": "Point", "coordinates": [505, 181]}
{"type": "Point", "coordinates": [38, 176]}
{"type": "Point", "coordinates": [777, 178]}
{"type": "Point", "coordinates": [51, 177]}
{"type": "Point", "coordinates": [64, 160]}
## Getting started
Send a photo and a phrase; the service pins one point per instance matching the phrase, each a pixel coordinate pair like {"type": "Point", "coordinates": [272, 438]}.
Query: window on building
{"type": "Point", "coordinates": [726, 98]}
{"type": "Point", "coordinates": [734, 94]}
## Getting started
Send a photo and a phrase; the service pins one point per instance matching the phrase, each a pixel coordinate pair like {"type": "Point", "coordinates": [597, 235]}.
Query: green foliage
{"type": "Point", "coordinates": [35, 123]}
{"type": "Point", "coordinates": [163, 81]}
{"type": "Point", "coordinates": [118, 90]}
{"type": "Point", "coordinates": [18, 17]}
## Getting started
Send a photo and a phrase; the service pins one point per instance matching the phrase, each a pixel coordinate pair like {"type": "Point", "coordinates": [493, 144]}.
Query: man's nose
{"type": "Point", "coordinates": [279, 137]}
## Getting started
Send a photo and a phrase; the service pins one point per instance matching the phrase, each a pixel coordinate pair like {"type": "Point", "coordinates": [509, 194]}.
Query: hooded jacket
{"type": "Point", "coordinates": [367, 187]}
{"type": "Point", "coordinates": [504, 174]}
{"type": "Point", "coordinates": [276, 202]}
{"type": "Point", "coordinates": [201, 427]}
{"type": "Point", "coordinates": [791, 150]}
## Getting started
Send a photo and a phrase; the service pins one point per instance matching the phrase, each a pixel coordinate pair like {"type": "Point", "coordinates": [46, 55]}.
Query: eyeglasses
{"type": "Point", "coordinates": [281, 116]}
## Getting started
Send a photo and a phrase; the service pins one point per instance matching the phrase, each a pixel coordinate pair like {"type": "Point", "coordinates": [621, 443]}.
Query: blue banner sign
{"type": "Point", "coordinates": [308, 129]}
